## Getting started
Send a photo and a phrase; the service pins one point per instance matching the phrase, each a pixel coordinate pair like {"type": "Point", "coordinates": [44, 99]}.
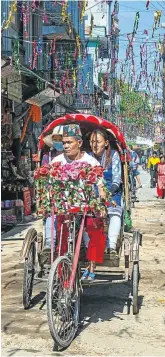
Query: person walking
{"type": "Point", "coordinates": [152, 162]}
{"type": "Point", "coordinates": [161, 177]}
{"type": "Point", "coordinates": [134, 166]}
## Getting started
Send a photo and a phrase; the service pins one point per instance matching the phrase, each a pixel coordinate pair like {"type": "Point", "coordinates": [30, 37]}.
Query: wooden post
{"type": "Point", "coordinates": [126, 184]}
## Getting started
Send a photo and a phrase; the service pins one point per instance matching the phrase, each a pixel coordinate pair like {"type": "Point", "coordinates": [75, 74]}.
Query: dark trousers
{"type": "Point", "coordinates": [153, 178]}
{"type": "Point", "coordinates": [16, 150]}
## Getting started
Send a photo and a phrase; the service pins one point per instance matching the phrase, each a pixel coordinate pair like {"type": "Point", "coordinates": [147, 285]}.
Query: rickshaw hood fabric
{"type": "Point", "coordinates": [84, 118]}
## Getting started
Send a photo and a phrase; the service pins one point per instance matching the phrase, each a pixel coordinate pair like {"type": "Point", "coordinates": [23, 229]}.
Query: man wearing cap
{"type": "Point", "coordinates": [72, 143]}
{"type": "Point", "coordinates": [152, 162]}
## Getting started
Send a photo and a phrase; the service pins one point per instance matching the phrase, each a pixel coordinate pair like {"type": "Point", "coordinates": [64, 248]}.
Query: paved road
{"type": "Point", "coordinates": [106, 327]}
{"type": "Point", "coordinates": [146, 194]}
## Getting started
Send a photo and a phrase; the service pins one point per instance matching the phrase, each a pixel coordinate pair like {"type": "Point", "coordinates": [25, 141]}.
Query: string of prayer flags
{"type": "Point", "coordinates": [13, 9]}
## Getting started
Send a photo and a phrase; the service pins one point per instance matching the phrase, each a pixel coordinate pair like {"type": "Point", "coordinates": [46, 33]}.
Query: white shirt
{"type": "Point", "coordinates": [85, 158]}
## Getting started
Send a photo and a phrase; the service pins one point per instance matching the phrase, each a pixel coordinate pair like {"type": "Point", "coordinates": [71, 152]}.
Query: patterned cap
{"type": "Point", "coordinates": [72, 130]}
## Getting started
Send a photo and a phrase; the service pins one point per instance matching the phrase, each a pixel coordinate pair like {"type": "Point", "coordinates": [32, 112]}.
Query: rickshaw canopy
{"type": "Point", "coordinates": [87, 124]}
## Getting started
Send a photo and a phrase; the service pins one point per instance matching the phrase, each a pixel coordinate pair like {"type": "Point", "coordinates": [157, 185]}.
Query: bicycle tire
{"type": "Point", "coordinates": [62, 305]}
{"type": "Point", "coordinates": [29, 270]}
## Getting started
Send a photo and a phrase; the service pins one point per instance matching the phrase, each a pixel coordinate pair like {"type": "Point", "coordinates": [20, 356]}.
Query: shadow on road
{"type": "Point", "coordinates": [39, 298]}
{"type": "Point", "coordinates": [100, 304]}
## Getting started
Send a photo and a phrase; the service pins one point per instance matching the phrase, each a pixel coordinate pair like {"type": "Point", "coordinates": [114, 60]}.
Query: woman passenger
{"type": "Point", "coordinates": [109, 159]}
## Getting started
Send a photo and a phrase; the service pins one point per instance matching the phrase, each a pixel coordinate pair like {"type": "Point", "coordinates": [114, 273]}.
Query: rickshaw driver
{"type": "Point", "coordinates": [72, 143]}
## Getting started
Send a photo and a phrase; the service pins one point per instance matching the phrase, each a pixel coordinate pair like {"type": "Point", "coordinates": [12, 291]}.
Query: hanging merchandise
{"type": "Point", "coordinates": [13, 9]}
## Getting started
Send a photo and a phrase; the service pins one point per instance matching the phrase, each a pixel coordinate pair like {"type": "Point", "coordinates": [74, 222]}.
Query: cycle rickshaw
{"type": "Point", "coordinates": [64, 285]}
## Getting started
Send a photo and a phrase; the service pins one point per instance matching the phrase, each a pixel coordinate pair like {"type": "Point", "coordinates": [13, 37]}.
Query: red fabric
{"type": "Point", "coordinates": [85, 119]}
{"type": "Point", "coordinates": [64, 244]}
{"type": "Point", "coordinates": [161, 175]}
{"type": "Point", "coordinates": [95, 230]}
{"type": "Point", "coordinates": [160, 192]}
{"type": "Point", "coordinates": [96, 246]}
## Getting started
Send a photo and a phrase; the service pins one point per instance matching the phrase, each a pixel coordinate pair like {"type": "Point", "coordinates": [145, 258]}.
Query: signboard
{"type": "Point", "coordinates": [14, 87]}
{"type": "Point", "coordinates": [27, 202]}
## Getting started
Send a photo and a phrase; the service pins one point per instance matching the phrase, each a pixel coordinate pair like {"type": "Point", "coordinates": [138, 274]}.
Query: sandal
{"type": "Point", "coordinates": [85, 275]}
{"type": "Point", "coordinates": [113, 252]}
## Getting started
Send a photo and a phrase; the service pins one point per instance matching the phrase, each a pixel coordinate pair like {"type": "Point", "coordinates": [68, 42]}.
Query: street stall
{"type": "Point", "coordinates": [17, 187]}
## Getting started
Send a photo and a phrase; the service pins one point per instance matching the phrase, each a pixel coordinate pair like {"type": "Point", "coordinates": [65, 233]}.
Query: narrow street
{"type": "Point", "coordinates": [106, 328]}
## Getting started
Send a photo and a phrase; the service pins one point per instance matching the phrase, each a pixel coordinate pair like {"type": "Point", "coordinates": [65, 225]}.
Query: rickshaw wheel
{"type": "Point", "coordinates": [63, 306]}
{"type": "Point", "coordinates": [29, 271]}
{"type": "Point", "coordinates": [135, 284]}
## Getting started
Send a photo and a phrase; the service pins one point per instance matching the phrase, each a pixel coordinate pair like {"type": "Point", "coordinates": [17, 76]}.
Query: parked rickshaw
{"type": "Point", "coordinates": [64, 285]}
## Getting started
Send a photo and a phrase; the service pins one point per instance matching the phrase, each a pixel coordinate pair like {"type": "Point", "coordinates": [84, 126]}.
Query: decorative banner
{"type": "Point", "coordinates": [13, 9]}
{"type": "Point", "coordinates": [16, 54]}
{"type": "Point", "coordinates": [84, 4]}
{"type": "Point", "coordinates": [78, 44]}
{"type": "Point", "coordinates": [91, 25]}
{"type": "Point", "coordinates": [35, 55]}
{"type": "Point", "coordinates": [136, 24]}
{"type": "Point", "coordinates": [64, 10]}
{"type": "Point", "coordinates": [157, 17]}
{"type": "Point", "coordinates": [147, 4]}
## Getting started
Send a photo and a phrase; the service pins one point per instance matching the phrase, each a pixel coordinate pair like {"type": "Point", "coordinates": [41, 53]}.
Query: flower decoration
{"type": "Point", "coordinates": [68, 187]}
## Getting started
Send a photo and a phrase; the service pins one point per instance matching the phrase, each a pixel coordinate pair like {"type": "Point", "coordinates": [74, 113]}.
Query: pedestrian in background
{"type": "Point", "coordinates": [161, 177]}
{"type": "Point", "coordinates": [152, 162]}
{"type": "Point", "coordinates": [134, 165]}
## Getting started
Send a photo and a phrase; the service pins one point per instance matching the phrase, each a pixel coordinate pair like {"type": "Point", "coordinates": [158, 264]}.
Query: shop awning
{"type": "Point", "coordinates": [43, 97]}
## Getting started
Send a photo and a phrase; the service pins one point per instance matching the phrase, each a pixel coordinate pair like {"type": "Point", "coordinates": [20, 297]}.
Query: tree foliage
{"type": "Point", "coordinates": [134, 106]}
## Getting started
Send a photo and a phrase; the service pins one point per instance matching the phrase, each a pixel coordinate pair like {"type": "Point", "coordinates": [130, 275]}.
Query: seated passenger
{"type": "Point", "coordinates": [110, 161]}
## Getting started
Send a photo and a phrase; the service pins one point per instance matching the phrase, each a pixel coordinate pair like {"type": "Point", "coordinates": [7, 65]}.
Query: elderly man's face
{"type": "Point", "coordinates": [71, 146]}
